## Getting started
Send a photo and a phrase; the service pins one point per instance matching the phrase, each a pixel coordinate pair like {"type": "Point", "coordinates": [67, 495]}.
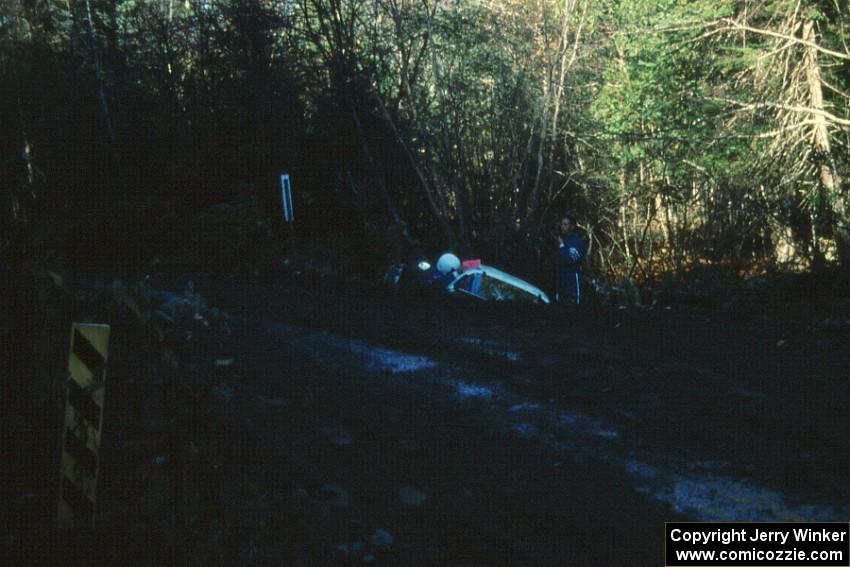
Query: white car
{"type": "Point", "coordinates": [488, 283]}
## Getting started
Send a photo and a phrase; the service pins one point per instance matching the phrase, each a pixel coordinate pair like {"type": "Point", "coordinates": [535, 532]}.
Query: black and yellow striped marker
{"type": "Point", "coordinates": [83, 422]}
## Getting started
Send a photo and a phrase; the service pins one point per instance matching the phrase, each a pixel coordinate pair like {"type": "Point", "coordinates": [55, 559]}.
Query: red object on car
{"type": "Point", "coordinates": [470, 264]}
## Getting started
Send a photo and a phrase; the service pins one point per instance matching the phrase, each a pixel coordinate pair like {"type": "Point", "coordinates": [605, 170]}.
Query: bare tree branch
{"type": "Point", "coordinates": [751, 106]}
{"type": "Point", "coordinates": [739, 26]}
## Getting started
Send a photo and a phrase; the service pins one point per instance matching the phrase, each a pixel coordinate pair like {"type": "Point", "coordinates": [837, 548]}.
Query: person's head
{"type": "Point", "coordinates": [448, 262]}
{"type": "Point", "coordinates": [567, 224]}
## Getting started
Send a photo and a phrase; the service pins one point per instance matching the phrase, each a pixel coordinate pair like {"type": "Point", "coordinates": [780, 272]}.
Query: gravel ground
{"type": "Point", "coordinates": [344, 426]}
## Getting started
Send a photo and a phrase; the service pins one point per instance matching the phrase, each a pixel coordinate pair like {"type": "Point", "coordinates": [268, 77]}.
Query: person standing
{"type": "Point", "coordinates": [568, 261]}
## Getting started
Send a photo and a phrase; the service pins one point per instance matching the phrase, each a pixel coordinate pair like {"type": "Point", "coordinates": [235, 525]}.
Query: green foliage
{"type": "Point", "coordinates": [664, 124]}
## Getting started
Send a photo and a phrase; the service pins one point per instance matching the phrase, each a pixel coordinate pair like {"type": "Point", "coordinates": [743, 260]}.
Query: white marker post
{"type": "Point", "coordinates": [288, 209]}
{"type": "Point", "coordinates": [87, 362]}
{"type": "Point", "coordinates": [286, 198]}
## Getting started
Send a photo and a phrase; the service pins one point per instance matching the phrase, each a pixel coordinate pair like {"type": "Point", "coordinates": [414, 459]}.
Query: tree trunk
{"type": "Point", "coordinates": [101, 92]}
{"type": "Point", "coordinates": [101, 95]}
{"type": "Point", "coordinates": [381, 180]}
{"type": "Point", "coordinates": [828, 176]}
{"type": "Point", "coordinates": [623, 220]}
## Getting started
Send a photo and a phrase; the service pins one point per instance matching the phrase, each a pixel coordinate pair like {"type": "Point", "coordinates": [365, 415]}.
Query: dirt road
{"type": "Point", "coordinates": [337, 425]}
{"type": "Point", "coordinates": [432, 431]}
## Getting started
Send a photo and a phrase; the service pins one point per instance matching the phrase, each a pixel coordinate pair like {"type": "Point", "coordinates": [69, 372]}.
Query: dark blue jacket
{"type": "Point", "coordinates": [568, 261]}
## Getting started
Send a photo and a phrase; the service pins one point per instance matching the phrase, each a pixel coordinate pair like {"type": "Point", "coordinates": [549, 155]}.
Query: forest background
{"type": "Point", "coordinates": [681, 133]}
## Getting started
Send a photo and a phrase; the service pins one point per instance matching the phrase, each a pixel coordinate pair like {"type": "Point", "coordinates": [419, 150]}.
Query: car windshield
{"type": "Point", "coordinates": [469, 283]}
{"type": "Point", "coordinates": [480, 285]}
